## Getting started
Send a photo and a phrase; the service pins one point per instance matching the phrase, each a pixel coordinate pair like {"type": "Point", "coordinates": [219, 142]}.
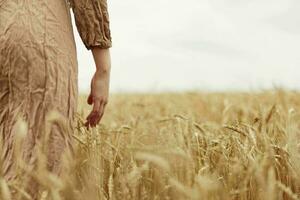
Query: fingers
{"type": "Point", "coordinates": [96, 114]}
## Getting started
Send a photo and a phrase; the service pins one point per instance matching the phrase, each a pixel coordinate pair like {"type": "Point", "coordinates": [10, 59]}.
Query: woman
{"type": "Point", "coordinates": [38, 73]}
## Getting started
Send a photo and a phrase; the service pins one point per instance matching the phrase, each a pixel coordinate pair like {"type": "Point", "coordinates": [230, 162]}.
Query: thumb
{"type": "Point", "coordinates": [90, 99]}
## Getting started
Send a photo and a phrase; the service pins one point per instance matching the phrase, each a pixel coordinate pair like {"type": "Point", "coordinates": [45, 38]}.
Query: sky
{"type": "Point", "coordinates": [175, 45]}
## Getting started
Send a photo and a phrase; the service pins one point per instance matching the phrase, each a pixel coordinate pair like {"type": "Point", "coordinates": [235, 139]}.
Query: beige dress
{"type": "Point", "coordinates": [38, 70]}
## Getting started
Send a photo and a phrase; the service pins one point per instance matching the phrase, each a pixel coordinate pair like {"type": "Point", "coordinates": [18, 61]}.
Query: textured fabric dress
{"type": "Point", "coordinates": [38, 71]}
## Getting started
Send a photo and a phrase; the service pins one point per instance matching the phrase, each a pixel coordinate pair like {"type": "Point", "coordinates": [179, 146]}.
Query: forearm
{"type": "Point", "coordinates": [101, 78]}
{"type": "Point", "coordinates": [102, 60]}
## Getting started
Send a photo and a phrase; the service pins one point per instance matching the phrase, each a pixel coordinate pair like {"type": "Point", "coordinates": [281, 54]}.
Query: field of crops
{"type": "Point", "coordinates": [185, 146]}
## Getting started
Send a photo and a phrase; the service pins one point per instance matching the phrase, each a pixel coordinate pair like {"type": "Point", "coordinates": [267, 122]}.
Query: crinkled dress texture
{"type": "Point", "coordinates": [38, 69]}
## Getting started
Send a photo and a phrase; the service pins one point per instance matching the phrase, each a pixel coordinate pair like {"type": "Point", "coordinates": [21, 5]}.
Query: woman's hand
{"type": "Point", "coordinates": [99, 86]}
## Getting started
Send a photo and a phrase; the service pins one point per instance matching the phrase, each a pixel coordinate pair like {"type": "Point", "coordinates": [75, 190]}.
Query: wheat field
{"type": "Point", "coordinates": [192, 145]}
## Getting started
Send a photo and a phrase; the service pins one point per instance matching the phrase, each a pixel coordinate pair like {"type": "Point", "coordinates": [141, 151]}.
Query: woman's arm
{"type": "Point", "coordinates": [99, 85]}
{"type": "Point", "coordinates": [93, 25]}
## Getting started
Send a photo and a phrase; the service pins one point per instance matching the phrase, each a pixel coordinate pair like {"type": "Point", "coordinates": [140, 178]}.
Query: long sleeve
{"type": "Point", "coordinates": [92, 22]}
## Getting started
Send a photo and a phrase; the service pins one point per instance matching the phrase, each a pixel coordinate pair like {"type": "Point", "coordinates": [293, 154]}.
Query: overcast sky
{"type": "Point", "coordinates": [200, 44]}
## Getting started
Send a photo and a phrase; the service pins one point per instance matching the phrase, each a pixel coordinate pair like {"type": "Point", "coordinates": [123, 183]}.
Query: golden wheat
{"type": "Point", "coordinates": [182, 146]}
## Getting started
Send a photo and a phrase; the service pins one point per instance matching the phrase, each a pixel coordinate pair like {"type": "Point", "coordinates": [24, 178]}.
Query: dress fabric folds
{"type": "Point", "coordinates": [38, 72]}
